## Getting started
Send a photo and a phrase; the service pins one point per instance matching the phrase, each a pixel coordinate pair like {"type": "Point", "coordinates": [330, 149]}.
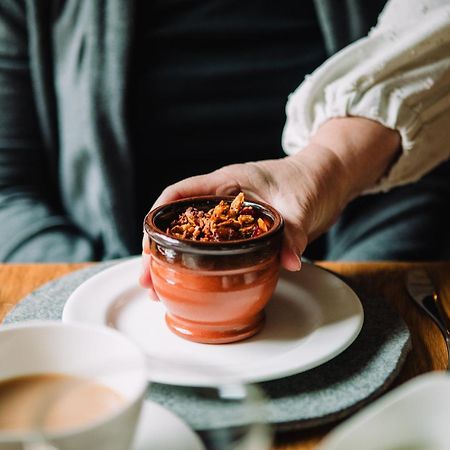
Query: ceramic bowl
{"type": "Point", "coordinates": [214, 292]}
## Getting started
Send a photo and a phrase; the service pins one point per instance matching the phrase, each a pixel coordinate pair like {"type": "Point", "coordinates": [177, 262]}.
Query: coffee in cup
{"type": "Point", "coordinates": [54, 402]}
{"type": "Point", "coordinates": [71, 386]}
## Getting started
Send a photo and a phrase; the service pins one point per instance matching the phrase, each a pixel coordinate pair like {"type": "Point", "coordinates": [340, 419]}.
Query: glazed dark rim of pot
{"type": "Point", "coordinates": [172, 209]}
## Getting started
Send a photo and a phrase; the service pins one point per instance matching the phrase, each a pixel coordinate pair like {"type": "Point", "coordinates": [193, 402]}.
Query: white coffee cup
{"type": "Point", "coordinates": [97, 353]}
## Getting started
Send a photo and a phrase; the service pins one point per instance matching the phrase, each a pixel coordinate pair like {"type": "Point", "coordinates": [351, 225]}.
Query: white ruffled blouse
{"type": "Point", "coordinates": [399, 75]}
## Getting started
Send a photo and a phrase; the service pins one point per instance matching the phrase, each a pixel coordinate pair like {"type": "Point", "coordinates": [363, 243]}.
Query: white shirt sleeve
{"type": "Point", "coordinates": [399, 76]}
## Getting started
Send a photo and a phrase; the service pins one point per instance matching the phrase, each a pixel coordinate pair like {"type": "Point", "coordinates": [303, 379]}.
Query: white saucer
{"type": "Point", "coordinates": [160, 429]}
{"type": "Point", "coordinates": [312, 317]}
{"type": "Point", "coordinates": [413, 416]}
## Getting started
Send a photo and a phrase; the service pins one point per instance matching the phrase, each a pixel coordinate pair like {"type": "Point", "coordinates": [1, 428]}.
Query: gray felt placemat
{"type": "Point", "coordinates": [321, 395]}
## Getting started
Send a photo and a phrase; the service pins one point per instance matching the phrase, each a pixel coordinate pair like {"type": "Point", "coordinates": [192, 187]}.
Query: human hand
{"type": "Point", "coordinates": [297, 189]}
{"type": "Point", "coordinates": [309, 189]}
{"type": "Point", "coordinates": [145, 279]}
{"type": "Point", "coordinates": [265, 180]}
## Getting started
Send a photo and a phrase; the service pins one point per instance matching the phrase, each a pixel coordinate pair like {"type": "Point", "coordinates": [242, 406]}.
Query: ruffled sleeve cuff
{"type": "Point", "coordinates": [398, 76]}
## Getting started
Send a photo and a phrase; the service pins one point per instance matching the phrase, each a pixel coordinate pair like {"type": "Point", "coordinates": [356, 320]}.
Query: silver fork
{"type": "Point", "coordinates": [423, 291]}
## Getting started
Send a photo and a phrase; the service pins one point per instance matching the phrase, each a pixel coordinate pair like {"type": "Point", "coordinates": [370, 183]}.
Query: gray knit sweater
{"type": "Point", "coordinates": [66, 191]}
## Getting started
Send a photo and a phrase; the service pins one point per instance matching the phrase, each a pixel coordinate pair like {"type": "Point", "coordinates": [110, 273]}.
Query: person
{"type": "Point", "coordinates": [106, 103]}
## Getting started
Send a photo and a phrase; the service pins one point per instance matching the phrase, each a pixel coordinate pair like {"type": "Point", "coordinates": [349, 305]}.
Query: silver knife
{"type": "Point", "coordinates": [423, 291]}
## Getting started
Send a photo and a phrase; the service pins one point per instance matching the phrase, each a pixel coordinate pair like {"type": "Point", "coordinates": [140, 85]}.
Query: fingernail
{"type": "Point", "coordinates": [153, 295]}
{"type": "Point", "coordinates": [145, 244]}
{"type": "Point", "coordinates": [144, 278]}
{"type": "Point", "coordinates": [298, 261]}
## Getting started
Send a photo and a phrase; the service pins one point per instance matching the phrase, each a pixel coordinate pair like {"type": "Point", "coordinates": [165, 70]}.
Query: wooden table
{"type": "Point", "coordinates": [380, 279]}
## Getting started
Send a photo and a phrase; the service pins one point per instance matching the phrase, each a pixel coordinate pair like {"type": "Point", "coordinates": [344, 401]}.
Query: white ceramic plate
{"type": "Point", "coordinates": [160, 429]}
{"type": "Point", "coordinates": [312, 317]}
{"type": "Point", "coordinates": [414, 416]}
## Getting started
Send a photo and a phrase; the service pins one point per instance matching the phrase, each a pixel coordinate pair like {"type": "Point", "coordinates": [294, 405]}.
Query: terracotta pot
{"type": "Point", "coordinates": [214, 292]}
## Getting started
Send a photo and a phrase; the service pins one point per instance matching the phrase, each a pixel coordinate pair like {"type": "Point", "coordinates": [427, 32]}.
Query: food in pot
{"type": "Point", "coordinates": [227, 221]}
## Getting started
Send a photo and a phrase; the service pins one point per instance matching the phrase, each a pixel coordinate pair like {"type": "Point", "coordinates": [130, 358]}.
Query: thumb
{"type": "Point", "coordinates": [294, 244]}
{"type": "Point", "coordinates": [214, 183]}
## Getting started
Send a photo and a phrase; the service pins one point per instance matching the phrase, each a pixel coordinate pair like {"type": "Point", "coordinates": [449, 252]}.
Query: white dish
{"type": "Point", "coordinates": [160, 429]}
{"type": "Point", "coordinates": [414, 416]}
{"type": "Point", "coordinates": [312, 317]}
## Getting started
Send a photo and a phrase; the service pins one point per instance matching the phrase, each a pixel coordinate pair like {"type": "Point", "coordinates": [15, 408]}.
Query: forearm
{"type": "Point", "coordinates": [32, 231]}
{"type": "Point", "coordinates": [366, 149]}
{"type": "Point", "coordinates": [32, 227]}
{"type": "Point", "coordinates": [344, 158]}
